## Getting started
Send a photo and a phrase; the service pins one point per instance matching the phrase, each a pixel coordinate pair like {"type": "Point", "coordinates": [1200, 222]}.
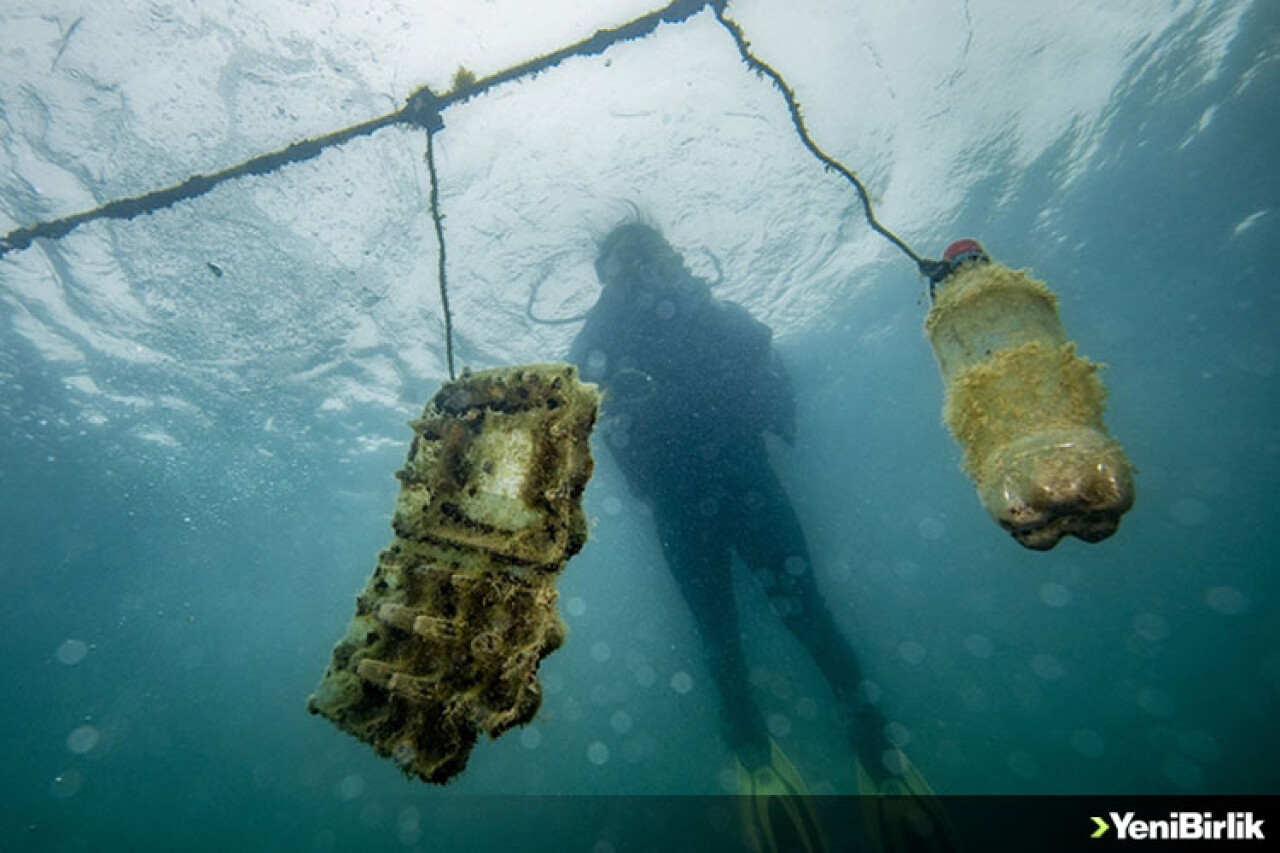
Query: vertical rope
{"type": "Point", "coordinates": [439, 223]}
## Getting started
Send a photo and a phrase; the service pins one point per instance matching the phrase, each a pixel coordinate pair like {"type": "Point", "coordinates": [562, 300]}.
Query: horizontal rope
{"type": "Point", "coordinates": [423, 109]}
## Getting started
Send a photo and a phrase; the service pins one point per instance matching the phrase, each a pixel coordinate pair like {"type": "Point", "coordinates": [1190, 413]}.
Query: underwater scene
{"type": "Point", "coordinates": [306, 547]}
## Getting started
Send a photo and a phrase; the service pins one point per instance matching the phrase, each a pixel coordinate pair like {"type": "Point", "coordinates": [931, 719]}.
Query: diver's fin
{"type": "Point", "coordinates": [903, 811]}
{"type": "Point", "coordinates": [778, 813]}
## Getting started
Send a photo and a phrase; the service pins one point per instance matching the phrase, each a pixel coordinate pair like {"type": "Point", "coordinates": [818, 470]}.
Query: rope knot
{"type": "Point", "coordinates": [423, 110]}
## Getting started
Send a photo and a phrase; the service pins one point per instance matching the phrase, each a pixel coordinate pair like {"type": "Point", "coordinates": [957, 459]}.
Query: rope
{"type": "Point", "coordinates": [193, 187]}
{"type": "Point", "coordinates": [438, 220]}
{"type": "Point", "coordinates": [422, 109]}
{"type": "Point", "coordinates": [927, 267]}
{"type": "Point", "coordinates": [715, 262]}
{"type": "Point", "coordinates": [676, 12]}
{"type": "Point", "coordinates": [548, 321]}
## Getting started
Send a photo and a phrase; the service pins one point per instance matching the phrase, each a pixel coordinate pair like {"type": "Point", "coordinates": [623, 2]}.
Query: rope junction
{"type": "Point", "coordinates": [424, 109]}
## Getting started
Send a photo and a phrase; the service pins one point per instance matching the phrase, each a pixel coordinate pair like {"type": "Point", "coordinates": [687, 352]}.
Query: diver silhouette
{"type": "Point", "coordinates": [691, 385]}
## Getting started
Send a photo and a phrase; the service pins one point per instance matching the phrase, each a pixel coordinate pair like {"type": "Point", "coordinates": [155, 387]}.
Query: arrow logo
{"type": "Point", "coordinates": [1102, 828]}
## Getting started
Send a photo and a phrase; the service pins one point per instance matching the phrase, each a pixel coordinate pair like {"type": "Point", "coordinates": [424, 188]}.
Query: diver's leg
{"type": "Point", "coordinates": [697, 553]}
{"type": "Point", "coordinates": [773, 545]}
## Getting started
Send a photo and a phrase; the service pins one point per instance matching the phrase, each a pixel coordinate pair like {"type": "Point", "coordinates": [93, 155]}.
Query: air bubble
{"type": "Point", "coordinates": [1088, 743]}
{"type": "Point", "coordinates": [911, 652]}
{"type": "Point", "coordinates": [530, 738]}
{"type": "Point", "coordinates": [1226, 600]}
{"type": "Point", "coordinates": [71, 652]}
{"type": "Point", "coordinates": [409, 818]}
{"type": "Point", "coordinates": [409, 826]}
{"type": "Point", "coordinates": [1150, 626]}
{"type": "Point", "coordinates": [979, 645]}
{"type": "Point", "coordinates": [83, 739]}
{"type": "Point", "coordinates": [1047, 667]}
{"type": "Point", "coordinates": [601, 651]}
{"type": "Point", "coordinates": [682, 682]}
{"type": "Point", "coordinates": [598, 753]}
{"type": "Point", "coordinates": [779, 725]}
{"type": "Point", "coordinates": [66, 785]}
{"type": "Point", "coordinates": [906, 569]}
{"type": "Point", "coordinates": [894, 761]}
{"type": "Point", "coordinates": [897, 734]}
{"type": "Point", "coordinates": [1156, 702]}
{"type": "Point", "coordinates": [931, 529]}
{"type": "Point", "coordinates": [576, 606]}
{"type": "Point", "coordinates": [620, 722]}
{"type": "Point", "coordinates": [351, 787]}
{"type": "Point", "coordinates": [1023, 765]}
{"type": "Point", "coordinates": [1055, 595]}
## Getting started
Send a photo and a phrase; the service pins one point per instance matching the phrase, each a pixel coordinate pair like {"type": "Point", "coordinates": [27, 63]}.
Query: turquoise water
{"type": "Point", "coordinates": [197, 473]}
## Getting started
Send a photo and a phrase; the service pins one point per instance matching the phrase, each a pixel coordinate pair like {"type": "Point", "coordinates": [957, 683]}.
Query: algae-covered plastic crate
{"type": "Point", "coordinates": [461, 608]}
